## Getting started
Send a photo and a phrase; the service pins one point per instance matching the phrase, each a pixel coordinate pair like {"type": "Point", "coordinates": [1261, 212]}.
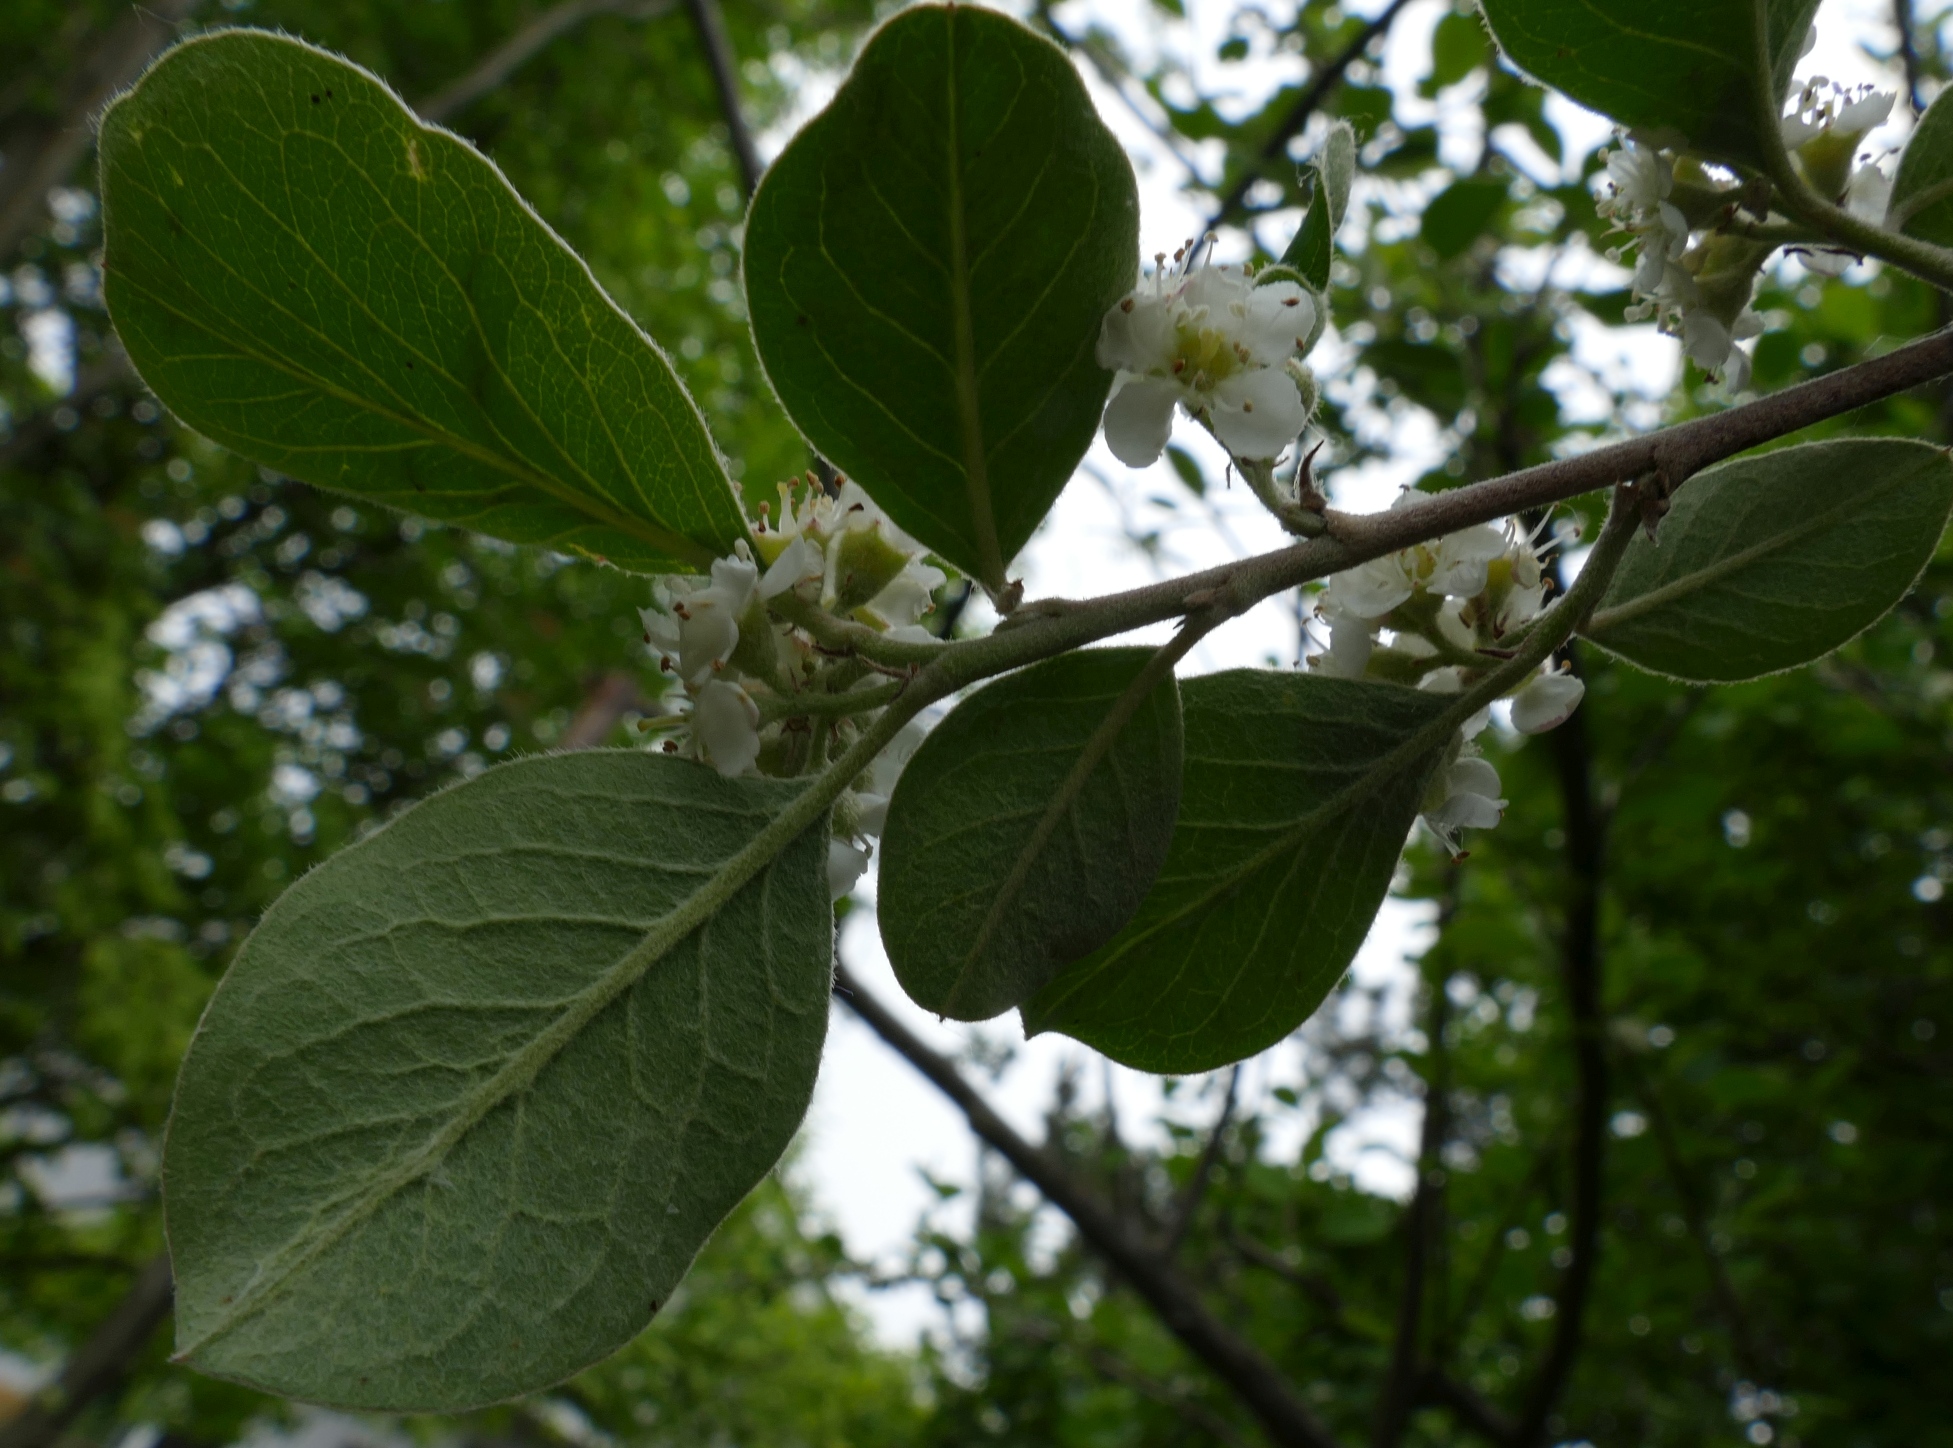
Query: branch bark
{"type": "Point", "coordinates": [725, 79]}
{"type": "Point", "coordinates": [99, 1364]}
{"type": "Point", "coordinates": [41, 158]}
{"type": "Point", "coordinates": [1675, 453]}
{"type": "Point", "coordinates": [508, 57]}
{"type": "Point", "coordinates": [1258, 1383]}
{"type": "Point", "coordinates": [1189, 1203]}
{"type": "Point", "coordinates": [1398, 1393]}
{"type": "Point", "coordinates": [1580, 971]}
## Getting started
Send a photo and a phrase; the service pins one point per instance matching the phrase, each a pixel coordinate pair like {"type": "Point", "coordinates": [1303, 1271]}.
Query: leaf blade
{"type": "Point", "coordinates": [309, 275]}
{"type": "Point", "coordinates": [1667, 67]}
{"type": "Point", "coordinates": [1767, 563]}
{"type": "Point", "coordinates": [951, 369]}
{"type": "Point", "coordinates": [522, 1013]}
{"type": "Point", "coordinates": [1002, 862]}
{"type": "Point", "coordinates": [1235, 944]}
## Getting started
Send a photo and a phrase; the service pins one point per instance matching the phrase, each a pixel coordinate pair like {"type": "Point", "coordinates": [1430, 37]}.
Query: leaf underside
{"type": "Point", "coordinates": [1922, 188]}
{"type": "Point", "coordinates": [994, 874]}
{"type": "Point", "coordinates": [445, 1134]}
{"type": "Point", "coordinates": [1770, 562]}
{"type": "Point", "coordinates": [927, 267]}
{"type": "Point", "coordinates": [309, 275]}
{"type": "Point", "coordinates": [1675, 68]}
{"type": "Point", "coordinates": [1271, 881]}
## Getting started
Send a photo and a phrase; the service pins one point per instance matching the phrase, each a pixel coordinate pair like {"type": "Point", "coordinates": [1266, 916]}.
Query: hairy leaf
{"type": "Point", "coordinates": [1681, 69]}
{"type": "Point", "coordinates": [927, 266]}
{"type": "Point", "coordinates": [306, 273]}
{"type": "Point", "coordinates": [477, 1089]}
{"type": "Point", "coordinates": [1313, 249]}
{"type": "Point", "coordinates": [1922, 188]}
{"type": "Point", "coordinates": [1026, 829]}
{"type": "Point", "coordinates": [1277, 866]}
{"type": "Point", "coordinates": [1769, 562]}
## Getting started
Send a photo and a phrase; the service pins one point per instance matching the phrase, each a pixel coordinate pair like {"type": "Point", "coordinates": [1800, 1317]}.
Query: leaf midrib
{"type": "Point", "coordinates": [276, 1277]}
{"type": "Point", "coordinates": [976, 466]}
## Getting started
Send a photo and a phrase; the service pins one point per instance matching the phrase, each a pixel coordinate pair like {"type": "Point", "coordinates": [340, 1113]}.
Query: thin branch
{"type": "Point", "coordinates": [1395, 1397]}
{"type": "Point", "coordinates": [1306, 105]}
{"type": "Point", "coordinates": [41, 159]}
{"type": "Point", "coordinates": [602, 710]}
{"type": "Point", "coordinates": [1909, 53]}
{"type": "Point", "coordinates": [1258, 1383]}
{"type": "Point", "coordinates": [1044, 627]}
{"type": "Point", "coordinates": [1580, 969]}
{"type": "Point", "coordinates": [725, 79]}
{"type": "Point", "coordinates": [515, 52]}
{"type": "Point", "coordinates": [1189, 1203]}
{"type": "Point", "coordinates": [99, 1364]}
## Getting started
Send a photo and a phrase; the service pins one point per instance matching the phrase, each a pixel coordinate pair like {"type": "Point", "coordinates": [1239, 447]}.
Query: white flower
{"type": "Point", "coordinates": [911, 595]}
{"type": "Point", "coordinates": [698, 626]}
{"type": "Point", "coordinates": [1463, 796]}
{"type": "Point", "coordinates": [1868, 194]}
{"type": "Point", "coordinates": [797, 563]}
{"type": "Point", "coordinates": [845, 862]}
{"type": "Point", "coordinates": [725, 724]}
{"type": "Point", "coordinates": [1546, 702]}
{"type": "Point", "coordinates": [1213, 342]}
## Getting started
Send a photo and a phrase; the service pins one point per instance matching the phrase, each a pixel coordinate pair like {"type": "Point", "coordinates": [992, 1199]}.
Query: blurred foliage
{"type": "Point", "coordinates": [212, 678]}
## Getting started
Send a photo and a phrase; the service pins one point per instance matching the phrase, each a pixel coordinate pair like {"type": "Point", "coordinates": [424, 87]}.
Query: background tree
{"type": "Point", "coordinates": [1678, 1035]}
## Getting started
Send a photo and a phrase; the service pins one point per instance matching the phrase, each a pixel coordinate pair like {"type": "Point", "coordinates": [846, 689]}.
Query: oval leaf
{"type": "Point", "coordinates": [1922, 188]}
{"type": "Point", "coordinates": [927, 267]}
{"type": "Point", "coordinates": [478, 1088]}
{"type": "Point", "coordinates": [1026, 829]}
{"type": "Point", "coordinates": [303, 271]}
{"type": "Point", "coordinates": [1770, 562]}
{"type": "Point", "coordinates": [1278, 864]}
{"type": "Point", "coordinates": [1680, 69]}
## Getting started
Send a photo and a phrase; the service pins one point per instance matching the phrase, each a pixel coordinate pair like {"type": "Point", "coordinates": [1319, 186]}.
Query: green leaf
{"type": "Point", "coordinates": [306, 273]}
{"type": "Point", "coordinates": [1026, 829]}
{"type": "Point", "coordinates": [1922, 188]}
{"type": "Point", "coordinates": [1676, 69]}
{"type": "Point", "coordinates": [1457, 48]}
{"type": "Point", "coordinates": [1187, 469]}
{"type": "Point", "coordinates": [1277, 866]}
{"type": "Point", "coordinates": [927, 267]}
{"type": "Point", "coordinates": [478, 1088]}
{"type": "Point", "coordinates": [1769, 562]}
{"type": "Point", "coordinates": [1460, 214]}
{"type": "Point", "coordinates": [1313, 249]}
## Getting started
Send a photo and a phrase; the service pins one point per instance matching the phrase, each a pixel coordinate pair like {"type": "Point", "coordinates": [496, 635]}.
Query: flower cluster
{"type": "Point", "coordinates": [1700, 294]}
{"type": "Point", "coordinates": [731, 658]}
{"type": "Point", "coordinates": [1217, 342]}
{"type": "Point", "coordinates": [1823, 131]}
{"type": "Point", "coordinates": [1448, 607]}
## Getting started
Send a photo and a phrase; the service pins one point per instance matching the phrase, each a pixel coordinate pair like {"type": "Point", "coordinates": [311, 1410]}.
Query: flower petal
{"type": "Point", "coordinates": [1258, 413]}
{"type": "Point", "coordinates": [1547, 702]}
{"type": "Point", "coordinates": [725, 722]}
{"type": "Point", "coordinates": [1137, 334]}
{"type": "Point", "coordinates": [1276, 321]}
{"type": "Point", "coordinates": [1139, 420]}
